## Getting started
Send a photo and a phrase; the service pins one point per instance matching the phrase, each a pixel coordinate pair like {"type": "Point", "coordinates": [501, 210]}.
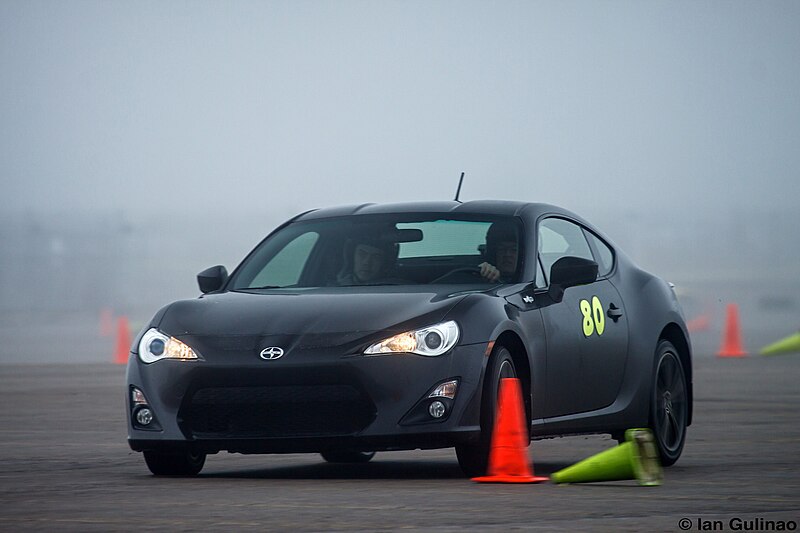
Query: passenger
{"type": "Point", "coordinates": [367, 262]}
{"type": "Point", "coordinates": [501, 254]}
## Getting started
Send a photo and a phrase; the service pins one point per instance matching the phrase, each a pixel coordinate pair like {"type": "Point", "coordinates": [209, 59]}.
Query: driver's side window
{"type": "Point", "coordinates": [559, 238]}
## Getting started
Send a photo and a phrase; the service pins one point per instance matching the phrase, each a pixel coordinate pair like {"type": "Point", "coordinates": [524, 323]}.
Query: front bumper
{"type": "Point", "coordinates": [311, 402]}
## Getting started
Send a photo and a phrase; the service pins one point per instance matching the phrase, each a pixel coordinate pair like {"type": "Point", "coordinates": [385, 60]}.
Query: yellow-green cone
{"type": "Point", "coordinates": [636, 458]}
{"type": "Point", "coordinates": [786, 345]}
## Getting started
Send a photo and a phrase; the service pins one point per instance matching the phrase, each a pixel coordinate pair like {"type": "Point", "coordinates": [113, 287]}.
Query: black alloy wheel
{"type": "Point", "coordinates": [474, 458]}
{"type": "Point", "coordinates": [669, 411]}
{"type": "Point", "coordinates": [174, 463]}
{"type": "Point", "coordinates": [347, 456]}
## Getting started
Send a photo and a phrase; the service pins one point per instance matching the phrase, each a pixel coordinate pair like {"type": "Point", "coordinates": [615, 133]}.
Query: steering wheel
{"type": "Point", "coordinates": [472, 272]}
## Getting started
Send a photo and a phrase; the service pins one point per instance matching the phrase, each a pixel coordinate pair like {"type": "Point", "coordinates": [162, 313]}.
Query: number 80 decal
{"type": "Point", "coordinates": [593, 317]}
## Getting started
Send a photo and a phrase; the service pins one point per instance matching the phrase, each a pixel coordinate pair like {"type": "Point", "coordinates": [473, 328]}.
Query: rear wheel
{"type": "Point", "coordinates": [174, 463]}
{"type": "Point", "coordinates": [669, 409]}
{"type": "Point", "coordinates": [474, 458]}
{"type": "Point", "coordinates": [347, 456]}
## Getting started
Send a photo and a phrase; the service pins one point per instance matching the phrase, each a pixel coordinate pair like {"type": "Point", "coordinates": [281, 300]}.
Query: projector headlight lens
{"type": "Point", "coordinates": [431, 341]}
{"type": "Point", "coordinates": [156, 346]}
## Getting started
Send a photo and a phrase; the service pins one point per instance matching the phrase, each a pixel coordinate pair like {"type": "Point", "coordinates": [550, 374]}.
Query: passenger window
{"type": "Point", "coordinates": [285, 267]}
{"type": "Point", "coordinates": [605, 257]}
{"type": "Point", "coordinates": [559, 238]}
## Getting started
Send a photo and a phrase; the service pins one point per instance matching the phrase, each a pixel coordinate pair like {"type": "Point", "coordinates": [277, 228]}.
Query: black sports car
{"type": "Point", "coordinates": [359, 329]}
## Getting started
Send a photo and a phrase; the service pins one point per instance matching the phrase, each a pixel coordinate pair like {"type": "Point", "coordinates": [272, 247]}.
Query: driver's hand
{"type": "Point", "coordinates": [489, 272]}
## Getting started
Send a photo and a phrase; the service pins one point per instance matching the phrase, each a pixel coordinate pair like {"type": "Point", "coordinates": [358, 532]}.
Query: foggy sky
{"type": "Point", "coordinates": [196, 109]}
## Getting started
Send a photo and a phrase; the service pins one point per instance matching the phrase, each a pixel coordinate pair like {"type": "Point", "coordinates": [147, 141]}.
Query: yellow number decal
{"type": "Point", "coordinates": [599, 316]}
{"type": "Point", "coordinates": [593, 317]}
{"type": "Point", "coordinates": [588, 323]}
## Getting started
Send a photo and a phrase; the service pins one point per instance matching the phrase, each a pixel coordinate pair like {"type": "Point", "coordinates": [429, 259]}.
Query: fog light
{"type": "Point", "coordinates": [144, 416]}
{"type": "Point", "coordinates": [436, 409]}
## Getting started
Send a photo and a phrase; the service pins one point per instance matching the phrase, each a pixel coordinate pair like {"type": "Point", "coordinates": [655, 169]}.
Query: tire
{"type": "Point", "coordinates": [474, 458]}
{"type": "Point", "coordinates": [177, 463]}
{"type": "Point", "coordinates": [669, 406]}
{"type": "Point", "coordinates": [347, 456]}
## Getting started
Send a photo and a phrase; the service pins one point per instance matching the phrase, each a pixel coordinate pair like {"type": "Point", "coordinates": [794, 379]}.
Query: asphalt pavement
{"type": "Point", "coordinates": [65, 464]}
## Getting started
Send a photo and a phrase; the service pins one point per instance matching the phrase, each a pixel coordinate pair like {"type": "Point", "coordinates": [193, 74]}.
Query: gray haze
{"type": "Point", "coordinates": [143, 141]}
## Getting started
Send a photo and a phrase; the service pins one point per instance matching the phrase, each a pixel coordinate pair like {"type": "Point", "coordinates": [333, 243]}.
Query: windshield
{"type": "Point", "coordinates": [399, 249]}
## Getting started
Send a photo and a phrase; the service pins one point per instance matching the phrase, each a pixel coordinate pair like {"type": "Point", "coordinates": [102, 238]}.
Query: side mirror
{"type": "Point", "coordinates": [570, 271]}
{"type": "Point", "coordinates": [212, 279]}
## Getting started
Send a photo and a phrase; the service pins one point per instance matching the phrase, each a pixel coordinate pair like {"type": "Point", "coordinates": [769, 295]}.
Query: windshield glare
{"type": "Point", "coordinates": [386, 250]}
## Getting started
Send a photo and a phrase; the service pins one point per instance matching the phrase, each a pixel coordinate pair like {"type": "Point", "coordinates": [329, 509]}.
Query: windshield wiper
{"type": "Point", "coordinates": [262, 287]}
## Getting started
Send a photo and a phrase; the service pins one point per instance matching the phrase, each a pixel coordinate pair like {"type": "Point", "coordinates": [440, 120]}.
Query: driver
{"type": "Point", "coordinates": [367, 260]}
{"type": "Point", "coordinates": [502, 250]}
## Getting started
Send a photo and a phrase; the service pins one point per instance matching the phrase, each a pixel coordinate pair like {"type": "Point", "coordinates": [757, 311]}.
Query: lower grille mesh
{"type": "Point", "coordinates": [282, 411]}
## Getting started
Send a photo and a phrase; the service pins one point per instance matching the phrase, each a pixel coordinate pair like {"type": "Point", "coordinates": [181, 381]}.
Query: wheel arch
{"type": "Point", "coordinates": [519, 355]}
{"type": "Point", "coordinates": [673, 333]}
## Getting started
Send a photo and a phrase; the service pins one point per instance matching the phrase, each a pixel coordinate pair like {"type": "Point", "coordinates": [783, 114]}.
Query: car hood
{"type": "Point", "coordinates": [312, 317]}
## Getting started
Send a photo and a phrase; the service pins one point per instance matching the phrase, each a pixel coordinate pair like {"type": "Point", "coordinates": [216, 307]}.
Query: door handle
{"type": "Point", "coordinates": [614, 312]}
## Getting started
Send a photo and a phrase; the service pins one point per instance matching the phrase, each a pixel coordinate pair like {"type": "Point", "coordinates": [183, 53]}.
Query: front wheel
{"type": "Point", "coordinates": [174, 463]}
{"type": "Point", "coordinates": [669, 406]}
{"type": "Point", "coordinates": [347, 456]}
{"type": "Point", "coordinates": [474, 458]}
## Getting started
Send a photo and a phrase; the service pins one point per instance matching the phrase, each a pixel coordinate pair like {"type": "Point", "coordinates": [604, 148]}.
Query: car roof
{"type": "Point", "coordinates": [483, 207]}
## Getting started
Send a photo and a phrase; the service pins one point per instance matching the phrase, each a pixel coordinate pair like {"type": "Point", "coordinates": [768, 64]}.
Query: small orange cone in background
{"type": "Point", "coordinates": [731, 335]}
{"type": "Point", "coordinates": [123, 341]}
{"type": "Point", "coordinates": [106, 322]}
{"type": "Point", "coordinates": [699, 323]}
{"type": "Point", "coordinates": [508, 457]}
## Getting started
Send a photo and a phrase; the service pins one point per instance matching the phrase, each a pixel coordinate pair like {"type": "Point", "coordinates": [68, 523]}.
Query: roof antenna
{"type": "Point", "coordinates": [458, 191]}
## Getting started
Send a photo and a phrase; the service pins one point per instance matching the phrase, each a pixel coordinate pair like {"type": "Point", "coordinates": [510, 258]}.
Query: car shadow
{"type": "Point", "coordinates": [376, 469]}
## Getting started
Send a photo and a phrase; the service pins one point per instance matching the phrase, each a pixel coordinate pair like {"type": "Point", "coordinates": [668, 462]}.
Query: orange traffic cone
{"type": "Point", "coordinates": [123, 341]}
{"type": "Point", "coordinates": [731, 336]}
{"type": "Point", "coordinates": [699, 323]}
{"type": "Point", "coordinates": [508, 459]}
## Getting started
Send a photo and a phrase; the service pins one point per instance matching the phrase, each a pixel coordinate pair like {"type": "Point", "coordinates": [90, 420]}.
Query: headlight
{"type": "Point", "coordinates": [155, 346]}
{"type": "Point", "coordinates": [430, 341]}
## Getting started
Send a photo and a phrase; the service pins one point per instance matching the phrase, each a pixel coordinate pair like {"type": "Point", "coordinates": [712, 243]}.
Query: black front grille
{"type": "Point", "coordinates": [282, 411]}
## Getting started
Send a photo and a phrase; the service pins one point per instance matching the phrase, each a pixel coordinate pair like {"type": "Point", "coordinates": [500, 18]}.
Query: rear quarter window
{"type": "Point", "coordinates": [604, 254]}
{"type": "Point", "coordinates": [559, 238]}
